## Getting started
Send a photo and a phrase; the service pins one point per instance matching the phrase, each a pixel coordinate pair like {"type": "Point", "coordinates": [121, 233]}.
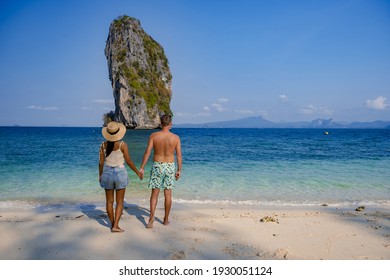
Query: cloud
{"type": "Point", "coordinates": [103, 101]}
{"type": "Point", "coordinates": [186, 114]}
{"type": "Point", "coordinates": [218, 105]}
{"type": "Point", "coordinates": [283, 98]}
{"type": "Point", "coordinates": [263, 113]}
{"type": "Point", "coordinates": [223, 100]}
{"type": "Point", "coordinates": [377, 104]}
{"type": "Point", "coordinates": [35, 107]}
{"type": "Point", "coordinates": [311, 110]}
{"type": "Point", "coordinates": [180, 114]}
{"type": "Point", "coordinates": [244, 112]}
{"type": "Point", "coordinates": [204, 114]}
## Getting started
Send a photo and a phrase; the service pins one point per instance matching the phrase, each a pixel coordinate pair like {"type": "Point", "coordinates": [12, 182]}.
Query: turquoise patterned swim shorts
{"type": "Point", "coordinates": [162, 175]}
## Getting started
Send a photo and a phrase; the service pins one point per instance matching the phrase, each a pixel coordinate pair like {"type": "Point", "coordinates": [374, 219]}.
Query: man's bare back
{"type": "Point", "coordinates": [164, 146]}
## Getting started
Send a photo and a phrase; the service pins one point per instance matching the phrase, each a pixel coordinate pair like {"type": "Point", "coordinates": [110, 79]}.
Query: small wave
{"type": "Point", "coordinates": [381, 203]}
{"type": "Point", "coordinates": [77, 205]}
{"type": "Point", "coordinates": [16, 204]}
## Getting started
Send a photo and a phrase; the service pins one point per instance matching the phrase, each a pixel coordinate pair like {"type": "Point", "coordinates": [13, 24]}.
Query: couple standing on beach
{"type": "Point", "coordinates": [113, 175]}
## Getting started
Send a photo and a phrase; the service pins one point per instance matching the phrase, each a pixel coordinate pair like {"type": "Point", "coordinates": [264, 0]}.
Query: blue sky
{"type": "Point", "coordinates": [283, 60]}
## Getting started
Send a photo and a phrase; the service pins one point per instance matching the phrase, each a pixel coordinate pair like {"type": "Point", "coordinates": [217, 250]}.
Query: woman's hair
{"type": "Point", "coordinates": [110, 147]}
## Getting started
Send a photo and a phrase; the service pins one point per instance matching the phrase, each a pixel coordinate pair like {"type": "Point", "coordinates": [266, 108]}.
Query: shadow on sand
{"type": "Point", "coordinates": [98, 215]}
{"type": "Point", "coordinates": [142, 214]}
{"type": "Point", "coordinates": [92, 212]}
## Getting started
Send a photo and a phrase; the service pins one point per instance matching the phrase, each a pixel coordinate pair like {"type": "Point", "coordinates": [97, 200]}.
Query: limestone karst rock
{"type": "Point", "coordinates": [139, 74]}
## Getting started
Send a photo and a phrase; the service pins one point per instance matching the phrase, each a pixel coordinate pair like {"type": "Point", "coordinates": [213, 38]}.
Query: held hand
{"type": "Point", "coordinates": [141, 174]}
{"type": "Point", "coordinates": [177, 175]}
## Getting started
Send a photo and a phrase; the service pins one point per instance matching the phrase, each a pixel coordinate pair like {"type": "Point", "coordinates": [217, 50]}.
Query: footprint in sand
{"type": "Point", "coordinates": [179, 255]}
{"type": "Point", "coordinates": [281, 253]}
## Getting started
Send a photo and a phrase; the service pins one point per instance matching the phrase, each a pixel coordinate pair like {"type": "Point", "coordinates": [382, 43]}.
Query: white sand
{"type": "Point", "coordinates": [198, 232]}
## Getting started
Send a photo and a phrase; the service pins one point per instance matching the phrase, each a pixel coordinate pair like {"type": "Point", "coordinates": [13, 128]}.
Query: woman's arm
{"type": "Point", "coordinates": [101, 160]}
{"type": "Point", "coordinates": [130, 163]}
{"type": "Point", "coordinates": [146, 154]}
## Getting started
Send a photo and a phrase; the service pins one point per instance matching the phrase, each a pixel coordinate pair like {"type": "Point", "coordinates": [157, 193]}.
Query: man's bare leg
{"type": "Point", "coordinates": [120, 197]}
{"type": "Point", "coordinates": [167, 205]}
{"type": "Point", "coordinates": [110, 206]}
{"type": "Point", "coordinates": [153, 205]}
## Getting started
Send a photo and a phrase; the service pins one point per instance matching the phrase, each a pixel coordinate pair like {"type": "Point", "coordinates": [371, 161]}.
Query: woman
{"type": "Point", "coordinates": [112, 171]}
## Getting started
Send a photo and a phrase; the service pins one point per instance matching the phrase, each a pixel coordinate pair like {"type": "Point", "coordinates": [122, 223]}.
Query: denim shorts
{"type": "Point", "coordinates": [114, 178]}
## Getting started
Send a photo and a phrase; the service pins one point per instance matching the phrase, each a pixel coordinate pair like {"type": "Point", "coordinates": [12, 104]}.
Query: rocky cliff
{"type": "Point", "coordinates": [139, 74]}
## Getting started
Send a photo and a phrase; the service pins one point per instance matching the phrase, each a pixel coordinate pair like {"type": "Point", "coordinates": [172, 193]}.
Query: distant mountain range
{"type": "Point", "coordinates": [260, 122]}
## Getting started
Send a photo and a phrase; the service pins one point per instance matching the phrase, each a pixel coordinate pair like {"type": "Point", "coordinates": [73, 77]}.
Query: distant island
{"type": "Point", "coordinates": [260, 122]}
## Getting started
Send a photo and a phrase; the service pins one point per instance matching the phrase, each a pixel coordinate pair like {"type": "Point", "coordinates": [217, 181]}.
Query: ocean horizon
{"type": "Point", "coordinates": [58, 166]}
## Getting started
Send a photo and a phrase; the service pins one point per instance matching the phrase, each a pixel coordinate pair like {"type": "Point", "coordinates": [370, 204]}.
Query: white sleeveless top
{"type": "Point", "coordinates": [115, 158]}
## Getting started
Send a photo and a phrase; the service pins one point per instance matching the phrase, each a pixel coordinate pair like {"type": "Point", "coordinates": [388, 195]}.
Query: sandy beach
{"type": "Point", "coordinates": [198, 232]}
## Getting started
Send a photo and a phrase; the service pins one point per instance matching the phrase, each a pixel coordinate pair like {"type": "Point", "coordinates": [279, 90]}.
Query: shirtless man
{"type": "Point", "coordinates": [163, 174]}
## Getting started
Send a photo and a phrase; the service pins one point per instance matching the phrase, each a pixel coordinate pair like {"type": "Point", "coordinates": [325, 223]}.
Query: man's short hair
{"type": "Point", "coordinates": [166, 120]}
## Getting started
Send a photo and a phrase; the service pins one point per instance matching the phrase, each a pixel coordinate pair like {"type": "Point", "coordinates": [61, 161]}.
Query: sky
{"type": "Point", "coordinates": [230, 59]}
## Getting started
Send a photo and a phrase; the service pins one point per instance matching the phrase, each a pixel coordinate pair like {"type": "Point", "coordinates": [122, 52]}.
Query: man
{"type": "Point", "coordinates": [163, 174]}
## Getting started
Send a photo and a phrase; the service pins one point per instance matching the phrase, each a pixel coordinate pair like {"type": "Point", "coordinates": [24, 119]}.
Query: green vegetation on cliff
{"type": "Point", "coordinates": [145, 79]}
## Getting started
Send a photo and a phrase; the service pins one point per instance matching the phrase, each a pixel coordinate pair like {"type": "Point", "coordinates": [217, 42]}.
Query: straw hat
{"type": "Point", "coordinates": [114, 131]}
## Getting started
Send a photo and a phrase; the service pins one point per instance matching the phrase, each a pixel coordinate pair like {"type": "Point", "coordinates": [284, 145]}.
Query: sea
{"type": "Point", "coordinates": [57, 167]}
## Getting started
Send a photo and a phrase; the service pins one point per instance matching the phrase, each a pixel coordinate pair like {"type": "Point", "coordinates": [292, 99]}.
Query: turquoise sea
{"type": "Point", "coordinates": [58, 167]}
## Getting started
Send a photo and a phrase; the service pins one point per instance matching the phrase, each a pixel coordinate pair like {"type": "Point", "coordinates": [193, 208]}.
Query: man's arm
{"type": "Point", "coordinates": [179, 160]}
{"type": "Point", "coordinates": [146, 154]}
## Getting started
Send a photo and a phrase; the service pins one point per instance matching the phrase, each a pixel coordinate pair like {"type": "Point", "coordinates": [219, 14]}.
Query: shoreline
{"type": "Point", "coordinates": [142, 199]}
{"type": "Point", "coordinates": [198, 232]}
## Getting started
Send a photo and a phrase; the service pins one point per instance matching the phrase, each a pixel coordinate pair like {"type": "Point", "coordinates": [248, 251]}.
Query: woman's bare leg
{"type": "Point", "coordinates": [120, 198]}
{"type": "Point", "coordinates": [110, 206]}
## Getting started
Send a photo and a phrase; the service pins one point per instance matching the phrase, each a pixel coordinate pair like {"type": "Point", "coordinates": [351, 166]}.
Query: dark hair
{"type": "Point", "coordinates": [110, 147]}
{"type": "Point", "coordinates": [166, 120]}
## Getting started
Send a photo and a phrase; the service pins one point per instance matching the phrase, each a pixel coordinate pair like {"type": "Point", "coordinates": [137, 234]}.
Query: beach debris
{"type": "Point", "coordinates": [178, 255]}
{"type": "Point", "coordinates": [281, 253]}
{"type": "Point", "coordinates": [348, 214]}
{"type": "Point", "coordinates": [360, 208]}
{"type": "Point", "coordinates": [267, 219]}
{"type": "Point", "coordinates": [376, 227]}
{"type": "Point", "coordinates": [325, 205]}
{"type": "Point", "coordinates": [245, 215]}
{"type": "Point", "coordinates": [78, 217]}
{"type": "Point", "coordinates": [236, 251]}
